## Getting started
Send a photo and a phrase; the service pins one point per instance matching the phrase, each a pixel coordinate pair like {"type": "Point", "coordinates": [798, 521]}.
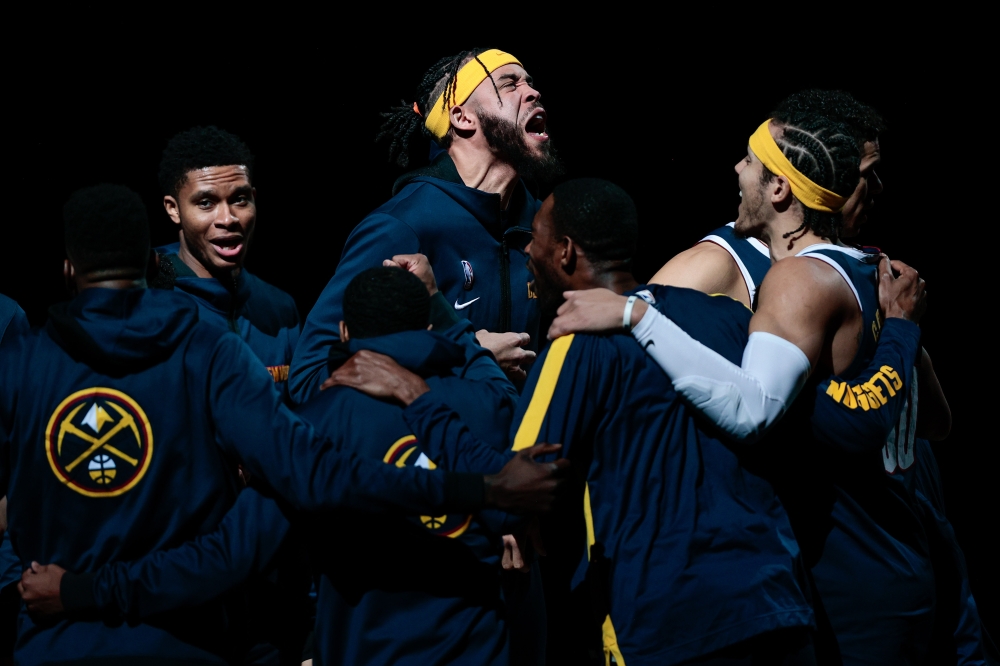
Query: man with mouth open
{"type": "Point", "coordinates": [469, 211]}
{"type": "Point", "coordinates": [206, 175]}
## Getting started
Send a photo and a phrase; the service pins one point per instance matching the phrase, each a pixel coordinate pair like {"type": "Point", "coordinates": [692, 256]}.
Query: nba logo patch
{"type": "Point", "coordinates": [469, 277]}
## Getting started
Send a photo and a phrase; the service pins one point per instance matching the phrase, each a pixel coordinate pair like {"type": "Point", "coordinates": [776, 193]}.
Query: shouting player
{"type": "Point", "coordinates": [469, 212]}
{"type": "Point", "coordinates": [815, 331]}
{"type": "Point", "coordinates": [681, 554]}
{"type": "Point", "coordinates": [123, 420]}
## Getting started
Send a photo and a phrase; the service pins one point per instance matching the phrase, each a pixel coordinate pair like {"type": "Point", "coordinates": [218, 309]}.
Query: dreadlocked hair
{"type": "Point", "coordinates": [404, 122]}
{"type": "Point", "coordinates": [826, 153]}
{"type": "Point", "coordinates": [864, 122]}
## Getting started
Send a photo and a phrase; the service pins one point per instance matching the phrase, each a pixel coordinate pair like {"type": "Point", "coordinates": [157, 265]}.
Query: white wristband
{"type": "Point", "coordinates": [627, 316]}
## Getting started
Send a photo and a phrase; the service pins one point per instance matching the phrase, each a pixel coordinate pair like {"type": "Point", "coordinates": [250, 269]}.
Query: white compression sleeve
{"type": "Point", "coordinates": [743, 401]}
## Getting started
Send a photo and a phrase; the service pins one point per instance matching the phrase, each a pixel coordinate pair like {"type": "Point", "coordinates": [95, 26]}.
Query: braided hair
{"type": "Point", "coordinates": [403, 123]}
{"type": "Point", "coordinates": [837, 105]}
{"type": "Point", "coordinates": [825, 152]}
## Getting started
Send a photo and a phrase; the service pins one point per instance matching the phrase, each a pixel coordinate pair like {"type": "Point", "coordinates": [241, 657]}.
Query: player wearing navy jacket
{"type": "Point", "coordinates": [206, 175]}
{"type": "Point", "coordinates": [12, 324]}
{"type": "Point", "coordinates": [382, 300]}
{"type": "Point", "coordinates": [119, 472]}
{"type": "Point", "coordinates": [680, 552]}
{"type": "Point", "coordinates": [469, 211]}
{"type": "Point", "coordinates": [860, 536]}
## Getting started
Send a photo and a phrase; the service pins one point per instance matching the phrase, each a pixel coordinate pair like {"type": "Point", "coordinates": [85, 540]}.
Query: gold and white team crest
{"type": "Point", "coordinates": [99, 442]}
{"type": "Point", "coordinates": [405, 451]}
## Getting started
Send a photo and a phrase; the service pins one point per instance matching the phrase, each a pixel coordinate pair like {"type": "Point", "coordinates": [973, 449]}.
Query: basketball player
{"type": "Point", "coordinates": [13, 323]}
{"type": "Point", "coordinates": [686, 553]}
{"type": "Point", "coordinates": [815, 331]}
{"type": "Point", "coordinates": [469, 211]}
{"type": "Point", "coordinates": [206, 176]}
{"type": "Point", "coordinates": [454, 604]}
{"type": "Point", "coordinates": [121, 471]}
{"type": "Point", "coordinates": [726, 263]}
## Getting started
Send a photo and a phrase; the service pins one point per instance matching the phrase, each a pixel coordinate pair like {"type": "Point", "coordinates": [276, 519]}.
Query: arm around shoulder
{"type": "Point", "coordinates": [376, 238]}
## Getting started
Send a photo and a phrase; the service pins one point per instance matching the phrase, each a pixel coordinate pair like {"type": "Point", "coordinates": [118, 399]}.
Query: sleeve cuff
{"type": "Point", "coordinates": [443, 316]}
{"type": "Point", "coordinates": [464, 493]}
{"type": "Point", "coordinates": [77, 592]}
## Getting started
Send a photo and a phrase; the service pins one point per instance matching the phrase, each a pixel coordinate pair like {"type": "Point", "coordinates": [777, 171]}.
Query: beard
{"type": "Point", "coordinates": [751, 218]}
{"type": "Point", "coordinates": [507, 142]}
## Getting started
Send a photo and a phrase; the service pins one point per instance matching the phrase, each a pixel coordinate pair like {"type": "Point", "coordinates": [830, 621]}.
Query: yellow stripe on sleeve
{"type": "Point", "coordinates": [531, 425]}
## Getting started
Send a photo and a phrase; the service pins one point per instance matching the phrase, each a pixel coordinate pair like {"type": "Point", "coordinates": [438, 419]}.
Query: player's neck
{"type": "Point", "coordinates": [784, 238]}
{"type": "Point", "coordinates": [480, 169]}
{"type": "Point", "coordinates": [617, 281]}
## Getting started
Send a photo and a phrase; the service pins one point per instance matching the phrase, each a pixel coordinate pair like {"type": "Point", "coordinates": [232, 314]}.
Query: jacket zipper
{"type": "Point", "coordinates": [505, 304]}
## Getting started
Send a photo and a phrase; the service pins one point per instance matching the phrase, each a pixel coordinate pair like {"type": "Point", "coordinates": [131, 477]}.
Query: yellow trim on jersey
{"type": "Point", "coordinates": [531, 424]}
{"type": "Point", "coordinates": [588, 518]}
{"type": "Point", "coordinates": [611, 644]}
{"type": "Point", "coordinates": [735, 299]}
{"type": "Point", "coordinates": [610, 638]}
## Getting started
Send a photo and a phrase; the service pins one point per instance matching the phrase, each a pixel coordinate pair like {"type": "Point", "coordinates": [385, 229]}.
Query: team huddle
{"type": "Point", "coordinates": [726, 465]}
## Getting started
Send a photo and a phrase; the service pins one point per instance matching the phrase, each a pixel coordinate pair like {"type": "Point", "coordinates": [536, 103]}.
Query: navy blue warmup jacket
{"type": "Point", "coordinates": [12, 324]}
{"type": "Point", "coordinates": [124, 418]}
{"type": "Point", "coordinates": [424, 590]}
{"type": "Point", "coordinates": [262, 315]}
{"type": "Point", "coordinates": [248, 536]}
{"type": "Point", "coordinates": [475, 248]}
{"type": "Point", "coordinates": [681, 550]}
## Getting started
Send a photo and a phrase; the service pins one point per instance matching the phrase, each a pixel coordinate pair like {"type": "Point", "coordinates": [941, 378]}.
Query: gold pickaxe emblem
{"type": "Point", "coordinates": [126, 421]}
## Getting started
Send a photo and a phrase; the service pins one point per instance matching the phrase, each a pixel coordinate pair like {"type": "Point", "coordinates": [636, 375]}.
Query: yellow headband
{"type": "Point", "coordinates": [467, 80]}
{"type": "Point", "coordinates": [807, 192]}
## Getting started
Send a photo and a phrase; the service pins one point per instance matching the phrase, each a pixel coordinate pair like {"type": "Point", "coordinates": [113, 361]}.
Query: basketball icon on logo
{"type": "Point", "coordinates": [433, 522]}
{"type": "Point", "coordinates": [405, 452]}
{"type": "Point", "coordinates": [99, 442]}
{"type": "Point", "coordinates": [102, 469]}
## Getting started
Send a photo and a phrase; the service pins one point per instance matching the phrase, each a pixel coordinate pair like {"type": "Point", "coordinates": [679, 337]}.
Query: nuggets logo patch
{"type": "Point", "coordinates": [405, 451]}
{"type": "Point", "coordinates": [99, 442]}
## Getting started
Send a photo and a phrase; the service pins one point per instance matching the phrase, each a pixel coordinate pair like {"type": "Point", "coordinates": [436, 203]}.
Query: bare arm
{"type": "Point", "coordinates": [934, 414]}
{"type": "Point", "coordinates": [802, 301]}
{"type": "Point", "coordinates": [707, 268]}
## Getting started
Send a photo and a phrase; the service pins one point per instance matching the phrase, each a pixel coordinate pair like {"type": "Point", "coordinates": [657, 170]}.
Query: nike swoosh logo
{"type": "Point", "coordinates": [462, 306]}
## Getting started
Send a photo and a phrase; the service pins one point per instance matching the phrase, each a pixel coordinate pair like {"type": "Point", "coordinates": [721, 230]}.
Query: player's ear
{"type": "Point", "coordinates": [173, 208]}
{"type": "Point", "coordinates": [344, 335]}
{"type": "Point", "coordinates": [463, 120]}
{"type": "Point", "coordinates": [780, 190]}
{"type": "Point", "coordinates": [69, 276]}
{"type": "Point", "coordinates": [568, 254]}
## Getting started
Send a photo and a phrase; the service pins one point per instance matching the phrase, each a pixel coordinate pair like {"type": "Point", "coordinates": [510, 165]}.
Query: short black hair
{"type": "Point", "coordinates": [385, 300]}
{"type": "Point", "coordinates": [197, 148]}
{"type": "Point", "coordinates": [599, 216]}
{"type": "Point", "coordinates": [864, 122]}
{"type": "Point", "coordinates": [106, 229]}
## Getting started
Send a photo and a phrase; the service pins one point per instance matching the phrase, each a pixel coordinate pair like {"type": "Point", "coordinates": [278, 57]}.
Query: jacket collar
{"type": "Point", "coordinates": [226, 299]}
{"type": "Point", "coordinates": [484, 206]}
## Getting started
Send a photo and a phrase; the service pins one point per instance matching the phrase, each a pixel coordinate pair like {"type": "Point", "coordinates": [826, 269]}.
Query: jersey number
{"type": "Point", "coordinates": [898, 450]}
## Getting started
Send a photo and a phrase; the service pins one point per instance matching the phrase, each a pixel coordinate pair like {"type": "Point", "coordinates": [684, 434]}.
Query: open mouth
{"type": "Point", "coordinates": [229, 246]}
{"type": "Point", "coordinates": [535, 127]}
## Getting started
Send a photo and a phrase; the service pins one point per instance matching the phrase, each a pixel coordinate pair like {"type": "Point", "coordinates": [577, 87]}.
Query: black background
{"type": "Point", "coordinates": [665, 122]}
